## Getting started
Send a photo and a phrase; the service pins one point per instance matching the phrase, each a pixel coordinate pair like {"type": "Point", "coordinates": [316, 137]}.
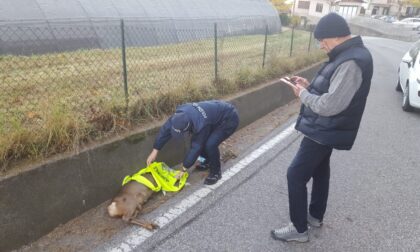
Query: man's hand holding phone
{"type": "Point", "coordinates": [300, 81]}
{"type": "Point", "coordinates": [287, 80]}
{"type": "Point", "coordinates": [296, 83]}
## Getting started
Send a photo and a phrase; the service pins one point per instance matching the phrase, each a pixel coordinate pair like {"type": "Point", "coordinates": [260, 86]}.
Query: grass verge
{"type": "Point", "coordinates": [56, 103]}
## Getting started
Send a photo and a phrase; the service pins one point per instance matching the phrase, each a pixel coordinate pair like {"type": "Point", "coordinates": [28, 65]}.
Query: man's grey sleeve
{"type": "Point", "coordinates": [345, 82]}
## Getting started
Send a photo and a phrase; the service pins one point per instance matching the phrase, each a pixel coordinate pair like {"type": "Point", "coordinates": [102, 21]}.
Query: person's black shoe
{"type": "Point", "coordinates": [212, 178]}
{"type": "Point", "coordinates": [202, 167]}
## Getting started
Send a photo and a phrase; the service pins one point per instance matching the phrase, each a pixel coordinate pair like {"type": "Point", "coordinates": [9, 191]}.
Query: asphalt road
{"type": "Point", "coordinates": [374, 202]}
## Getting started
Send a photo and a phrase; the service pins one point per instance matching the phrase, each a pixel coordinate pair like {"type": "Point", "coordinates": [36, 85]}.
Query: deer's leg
{"type": "Point", "coordinates": [145, 224]}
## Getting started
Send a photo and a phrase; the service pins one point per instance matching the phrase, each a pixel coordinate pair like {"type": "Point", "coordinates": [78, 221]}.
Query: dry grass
{"type": "Point", "coordinates": [55, 103]}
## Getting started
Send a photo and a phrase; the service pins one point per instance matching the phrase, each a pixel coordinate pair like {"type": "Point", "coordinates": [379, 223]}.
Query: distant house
{"type": "Point", "coordinates": [315, 9]}
{"type": "Point", "coordinates": [382, 7]}
{"type": "Point", "coordinates": [390, 7]}
{"type": "Point", "coordinates": [318, 8]}
{"type": "Point", "coordinates": [310, 9]}
{"type": "Point", "coordinates": [350, 8]}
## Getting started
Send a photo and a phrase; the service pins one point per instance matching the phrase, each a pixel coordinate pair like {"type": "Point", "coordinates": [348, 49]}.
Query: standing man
{"type": "Point", "coordinates": [332, 108]}
{"type": "Point", "coordinates": [209, 123]}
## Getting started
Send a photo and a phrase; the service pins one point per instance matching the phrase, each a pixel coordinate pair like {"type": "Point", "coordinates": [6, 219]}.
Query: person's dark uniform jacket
{"type": "Point", "coordinates": [204, 117]}
{"type": "Point", "coordinates": [338, 131]}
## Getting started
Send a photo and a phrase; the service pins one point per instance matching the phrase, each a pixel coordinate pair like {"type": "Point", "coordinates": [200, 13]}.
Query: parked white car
{"type": "Point", "coordinates": [409, 78]}
{"type": "Point", "coordinates": [413, 23]}
{"type": "Point", "coordinates": [388, 19]}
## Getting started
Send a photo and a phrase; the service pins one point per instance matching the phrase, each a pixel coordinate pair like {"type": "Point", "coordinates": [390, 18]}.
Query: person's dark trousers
{"type": "Point", "coordinates": [311, 161]}
{"type": "Point", "coordinates": [218, 135]}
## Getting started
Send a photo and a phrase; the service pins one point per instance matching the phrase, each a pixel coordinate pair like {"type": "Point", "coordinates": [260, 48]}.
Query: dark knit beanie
{"type": "Point", "coordinates": [331, 26]}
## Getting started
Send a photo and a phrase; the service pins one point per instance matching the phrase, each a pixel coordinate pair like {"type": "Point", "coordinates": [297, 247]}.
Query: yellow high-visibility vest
{"type": "Point", "coordinates": [163, 175]}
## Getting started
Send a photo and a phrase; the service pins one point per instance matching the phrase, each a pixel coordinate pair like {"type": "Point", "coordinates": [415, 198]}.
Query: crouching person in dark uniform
{"type": "Point", "coordinates": [209, 123]}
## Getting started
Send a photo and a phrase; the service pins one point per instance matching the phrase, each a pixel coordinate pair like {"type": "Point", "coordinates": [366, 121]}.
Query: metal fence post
{"type": "Point", "coordinates": [124, 62]}
{"type": "Point", "coordinates": [310, 41]}
{"type": "Point", "coordinates": [215, 52]}
{"type": "Point", "coordinates": [291, 42]}
{"type": "Point", "coordinates": [265, 45]}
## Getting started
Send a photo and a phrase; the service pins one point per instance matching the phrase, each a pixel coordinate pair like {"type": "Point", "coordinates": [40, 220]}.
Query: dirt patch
{"type": "Point", "coordinates": [95, 226]}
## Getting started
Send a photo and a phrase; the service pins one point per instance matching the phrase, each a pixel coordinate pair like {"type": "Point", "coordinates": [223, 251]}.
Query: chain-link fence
{"type": "Point", "coordinates": [135, 72]}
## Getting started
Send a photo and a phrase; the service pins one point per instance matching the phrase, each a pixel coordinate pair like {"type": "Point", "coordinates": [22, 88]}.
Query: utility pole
{"type": "Point", "coordinates": [293, 8]}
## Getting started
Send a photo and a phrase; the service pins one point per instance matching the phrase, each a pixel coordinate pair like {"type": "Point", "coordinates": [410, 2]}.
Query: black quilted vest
{"type": "Point", "coordinates": [338, 131]}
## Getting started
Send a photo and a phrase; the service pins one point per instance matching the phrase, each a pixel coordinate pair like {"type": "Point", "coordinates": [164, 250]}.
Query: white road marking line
{"type": "Point", "coordinates": [138, 236]}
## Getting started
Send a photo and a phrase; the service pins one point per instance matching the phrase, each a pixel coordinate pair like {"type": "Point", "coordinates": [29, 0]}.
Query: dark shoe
{"type": "Point", "coordinates": [289, 233]}
{"type": "Point", "coordinates": [202, 167]}
{"type": "Point", "coordinates": [212, 178]}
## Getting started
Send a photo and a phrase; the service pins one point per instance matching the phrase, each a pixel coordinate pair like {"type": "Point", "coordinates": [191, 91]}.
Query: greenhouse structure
{"type": "Point", "coordinates": [46, 26]}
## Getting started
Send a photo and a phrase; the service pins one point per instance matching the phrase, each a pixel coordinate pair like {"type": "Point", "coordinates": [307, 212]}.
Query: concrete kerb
{"type": "Point", "coordinates": [36, 201]}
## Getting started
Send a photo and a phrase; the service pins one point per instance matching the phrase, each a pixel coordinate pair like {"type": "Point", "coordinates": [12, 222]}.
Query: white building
{"type": "Point", "coordinates": [350, 8]}
{"type": "Point", "coordinates": [314, 9]}
{"type": "Point", "coordinates": [389, 7]}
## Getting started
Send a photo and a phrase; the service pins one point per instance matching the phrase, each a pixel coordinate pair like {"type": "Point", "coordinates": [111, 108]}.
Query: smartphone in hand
{"type": "Point", "coordinates": [288, 81]}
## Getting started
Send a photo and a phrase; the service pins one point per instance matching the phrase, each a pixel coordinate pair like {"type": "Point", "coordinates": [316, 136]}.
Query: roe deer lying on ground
{"type": "Point", "coordinates": [129, 202]}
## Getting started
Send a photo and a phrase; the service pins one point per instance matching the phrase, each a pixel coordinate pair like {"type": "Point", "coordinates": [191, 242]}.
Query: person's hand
{"type": "Point", "coordinates": [152, 157]}
{"type": "Point", "coordinates": [300, 81]}
{"type": "Point", "coordinates": [179, 175]}
{"type": "Point", "coordinates": [181, 172]}
{"type": "Point", "coordinates": [297, 89]}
